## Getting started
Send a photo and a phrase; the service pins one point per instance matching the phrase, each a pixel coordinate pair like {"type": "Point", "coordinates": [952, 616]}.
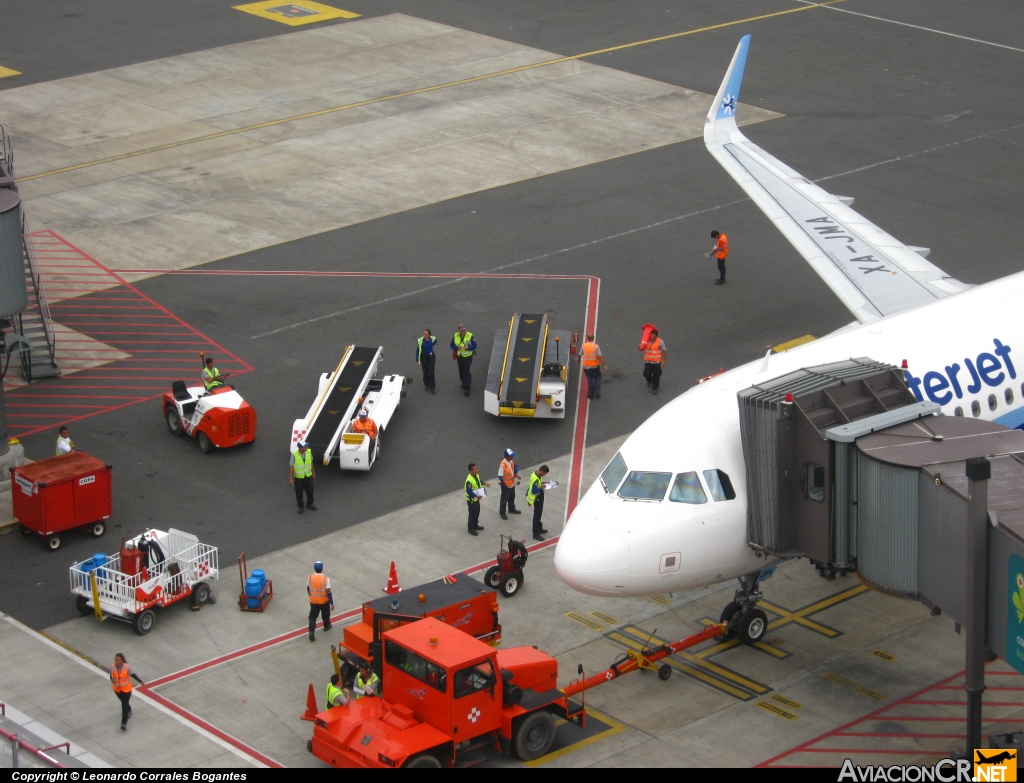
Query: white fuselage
{"type": "Point", "coordinates": [965, 352]}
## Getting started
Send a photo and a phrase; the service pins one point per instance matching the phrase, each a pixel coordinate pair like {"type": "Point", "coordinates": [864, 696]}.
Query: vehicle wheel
{"type": "Point", "coordinates": [726, 617]}
{"type": "Point", "coordinates": [205, 445]}
{"type": "Point", "coordinates": [423, 761]}
{"type": "Point", "coordinates": [492, 578]}
{"type": "Point", "coordinates": [53, 543]}
{"type": "Point", "coordinates": [144, 621]}
{"type": "Point", "coordinates": [96, 529]}
{"type": "Point", "coordinates": [511, 583]}
{"type": "Point", "coordinates": [201, 594]}
{"type": "Point", "coordinates": [664, 671]}
{"type": "Point", "coordinates": [82, 605]}
{"type": "Point", "coordinates": [25, 531]}
{"type": "Point", "coordinates": [348, 674]}
{"type": "Point", "coordinates": [174, 424]}
{"type": "Point", "coordinates": [534, 735]}
{"type": "Point", "coordinates": [752, 626]}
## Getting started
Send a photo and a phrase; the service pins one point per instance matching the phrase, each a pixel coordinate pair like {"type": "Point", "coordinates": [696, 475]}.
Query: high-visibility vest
{"type": "Point", "coordinates": [332, 693]}
{"type": "Point", "coordinates": [369, 426]}
{"type": "Point", "coordinates": [535, 490]}
{"type": "Point", "coordinates": [590, 356]}
{"type": "Point", "coordinates": [654, 353]}
{"type": "Point", "coordinates": [419, 348]}
{"type": "Point", "coordinates": [62, 440]}
{"type": "Point", "coordinates": [477, 483]}
{"type": "Point", "coordinates": [361, 684]}
{"type": "Point", "coordinates": [721, 247]}
{"type": "Point", "coordinates": [303, 467]}
{"type": "Point", "coordinates": [208, 378]}
{"type": "Point", "coordinates": [317, 589]}
{"type": "Point", "coordinates": [508, 472]}
{"type": "Point", "coordinates": [460, 341]}
{"type": "Point", "coordinates": [121, 678]}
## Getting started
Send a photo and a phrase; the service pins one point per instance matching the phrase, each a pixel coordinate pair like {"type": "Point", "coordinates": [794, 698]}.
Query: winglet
{"type": "Point", "coordinates": [724, 108]}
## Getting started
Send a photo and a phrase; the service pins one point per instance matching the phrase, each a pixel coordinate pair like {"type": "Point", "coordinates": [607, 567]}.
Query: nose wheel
{"type": "Point", "coordinates": [741, 617]}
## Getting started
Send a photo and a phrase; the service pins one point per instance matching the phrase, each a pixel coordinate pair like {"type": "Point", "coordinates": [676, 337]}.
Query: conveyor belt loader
{"type": "Point", "coordinates": [528, 373]}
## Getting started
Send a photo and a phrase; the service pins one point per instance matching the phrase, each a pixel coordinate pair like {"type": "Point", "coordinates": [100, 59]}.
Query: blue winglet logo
{"type": "Point", "coordinates": [729, 104]}
{"type": "Point", "coordinates": [733, 81]}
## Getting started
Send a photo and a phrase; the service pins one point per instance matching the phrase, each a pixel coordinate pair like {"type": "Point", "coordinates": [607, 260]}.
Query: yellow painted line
{"type": "Point", "coordinates": [585, 621]}
{"type": "Point", "coordinates": [689, 671]}
{"type": "Point", "coordinates": [875, 695]}
{"type": "Point", "coordinates": [765, 705]}
{"type": "Point", "coordinates": [616, 728]}
{"type": "Point", "coordinates": [730, 643]}
{"type": "Point", "coordinates": [836, 679]}
{"type": "Point", "coordinates": [807, 338]}
{"type": "Point", "coordinates": [884, 656]}
{"type": "Point", "coordinates": [604, 618]}
{"type": "Point", "coordinates": [321, 12]}
{"type": "Point", "coordinates": [421, 90]}
{"type": "Point", "coordinates": [793, 705]}
{"type": "Point", "coordinates": [789, 617]}
{"type": "Point", "coordinates": [5, 72]}
{"type": "Point", "coordinates": [658, 599]}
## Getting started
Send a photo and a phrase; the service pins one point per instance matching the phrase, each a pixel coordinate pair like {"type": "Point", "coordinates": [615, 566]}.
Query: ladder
{"type": "Point", "coordinates": [33, 323]}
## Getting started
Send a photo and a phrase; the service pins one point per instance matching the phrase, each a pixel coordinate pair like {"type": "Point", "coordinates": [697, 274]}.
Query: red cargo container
{"type": "Point", "coordinates": [61, 493]}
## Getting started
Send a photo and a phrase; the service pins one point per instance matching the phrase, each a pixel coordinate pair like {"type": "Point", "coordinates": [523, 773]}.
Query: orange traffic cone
{"type": "Point", "coordinates": [392, 581]}
{"type": "Point", "coordinates": [310, 713]}
{"type": "Point", "coordinates": [646, 337]}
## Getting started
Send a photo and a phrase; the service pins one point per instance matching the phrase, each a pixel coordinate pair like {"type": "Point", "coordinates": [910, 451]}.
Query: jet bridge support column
{"type": "Point", "coordinates": [979, 471]}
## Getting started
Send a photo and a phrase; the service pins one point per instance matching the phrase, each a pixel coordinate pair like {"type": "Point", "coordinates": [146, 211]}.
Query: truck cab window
{"type": "Point", "coordinates": [473, 679]}
{"type": "Point", "coordinates": [415, 666]}
{"type": "Point", "coordinates": [719, 484]}
{"type": "Point", "coordinates": [813, 482]}
{"type": "Point", "coordinates": [612, 475]}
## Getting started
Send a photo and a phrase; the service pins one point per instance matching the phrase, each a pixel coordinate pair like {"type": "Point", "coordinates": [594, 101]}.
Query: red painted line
{"type": "Point", "coordinates": [38, 405]}
{"type": "Point", "coordinates": [73, 419]}
{"type": "Point", "coordinates": [953, 720]}
{"type": "Point", "coordinates": [310, 273]}
{"type": "Point", "coordinates": [851, 751]}
{"type": "Point", "coordinates": [192, 718]}
{"type": "Point", "coordinates": [898, 734]}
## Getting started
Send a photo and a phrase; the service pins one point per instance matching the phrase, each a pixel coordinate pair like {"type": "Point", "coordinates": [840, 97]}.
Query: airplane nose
{"type": "Point", "coordinates": [592, 558]}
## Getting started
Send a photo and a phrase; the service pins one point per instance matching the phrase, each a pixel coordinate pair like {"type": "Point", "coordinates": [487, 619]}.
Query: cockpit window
{"type": "Point", "coordinates": [687, 489]}
{"type": "Point", "coordinates": [719, 484]}
{"type": "Point", "coordinates": [641, 485]}
{"type": "Point", "coordinates": [613, 474]}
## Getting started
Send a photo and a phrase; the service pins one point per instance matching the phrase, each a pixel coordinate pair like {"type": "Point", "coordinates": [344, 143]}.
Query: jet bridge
{"type": "Point", "coordinates": [528, 373]}
{"type": "Point", "coordinates": [327, 426]}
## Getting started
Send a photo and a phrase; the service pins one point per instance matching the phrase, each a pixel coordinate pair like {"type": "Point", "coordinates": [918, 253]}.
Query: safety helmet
{"type": "Point", "coordinates": [509, 453]}
{"type": "Point", "coordinates": [318, 566]}
{"type": "Point", "coordinates": [363, 413]}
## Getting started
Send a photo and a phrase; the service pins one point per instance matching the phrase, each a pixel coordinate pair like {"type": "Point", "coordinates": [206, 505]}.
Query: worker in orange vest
{"type": "Point", "coordinates": [721, 250]}
{"type": "Point", "coordinates": [654, 361]}
{"type": "Point", "coordinates": [121, 678]}
{"type": "Point", "coordinates": [365, 424]}
{"type": "Point", "coordinates": [321, 600]}
{"type": "Point", "coordinates": [508, 477]}
{"type": "Point", "coordinates": [591, 359]}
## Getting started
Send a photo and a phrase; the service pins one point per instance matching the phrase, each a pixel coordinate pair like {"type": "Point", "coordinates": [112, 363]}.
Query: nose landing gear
{"type": "Point", "coordinates": [741, 616]}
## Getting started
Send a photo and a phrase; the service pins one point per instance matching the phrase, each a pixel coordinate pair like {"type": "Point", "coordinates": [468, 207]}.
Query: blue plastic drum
{"type": "Point", "coordinates": [258, 574]}
{"type": "Point", "coordinates": [252, 592]}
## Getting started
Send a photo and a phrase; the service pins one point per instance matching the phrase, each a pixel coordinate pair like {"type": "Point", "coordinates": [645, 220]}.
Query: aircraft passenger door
{"type": "Point", "coordinates": [476, 701]}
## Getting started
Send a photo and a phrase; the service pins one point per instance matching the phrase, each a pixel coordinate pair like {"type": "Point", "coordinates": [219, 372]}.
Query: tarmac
{"type": "Point", "coordinates": [271, 194]}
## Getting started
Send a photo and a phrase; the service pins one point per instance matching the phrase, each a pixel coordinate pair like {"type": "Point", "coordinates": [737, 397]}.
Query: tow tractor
{"type": "Point", "coordinates": [445, 694]}
{"type": "Point", "coordinates": [528, 372]}
{"type": "Point", "coordinates": [457, 600]}
{"type": "Point", "coordinates": [217, 419]}
{"type": "Point", "coordinates": [327, 426]}
{"type": "Point", "coordinates": [154, 569]}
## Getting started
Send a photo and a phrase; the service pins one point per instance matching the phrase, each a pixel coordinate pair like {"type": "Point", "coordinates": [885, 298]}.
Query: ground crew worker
{"type": "Point", "coordinates": [211, 375]}
{"type": "Point", "coordinates": [508, 477]}
{"type": "Point", "coordinates": [64, 443]}
{"type": "Point", "coordinates": [367, 681]}
{"type": "Point", "coordinates": [336, 697]}
{"type": "Point", "coordinates": [474, 482]}
{"type": "Point", "coordinates": [463, 348]}
{"type": "Point", "coordinates": [301, 474]}
{"type": "Point", "coordinates": [321, 600]}
{"type": "Point", "coordinates": [654, 361]}
{"type": "Point", "coordinates": [721, 250]}
{"type": "Point", "coordinates": [591, 359]}
{"type": "Point", "coordinates": [121, 678]}
{"type": "Point", "coordinates": [425, 359]}
{"type": "Point", "coordinates": [535, 497]}
{"type": "Point", "coordinates": [364, 423]}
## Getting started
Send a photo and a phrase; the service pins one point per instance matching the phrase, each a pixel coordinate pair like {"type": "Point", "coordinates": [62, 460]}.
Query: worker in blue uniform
{"type": "Point", "coordinates": [425, 359]}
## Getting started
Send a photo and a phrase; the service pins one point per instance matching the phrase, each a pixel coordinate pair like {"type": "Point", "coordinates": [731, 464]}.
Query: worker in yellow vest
{"type": "Point", "coordinates": [366, 682]}
{"type": "Point", "coordinates": [463, 347]}
{"type": "Point", "coordinates": [535, 499]}
{"type": "Point", "coordinates": [211, 375]}
{"type": "Point", "coordinates": [64, 443]}
{"type": "Point", "coordinates": [474, 489]}
{"type": "Point", "coordinates": [654, 361]}
{"type": "Point", "coordinates": [321, 600]}
{"type": "Point", "coordinates": [336, 697]}
{"type": "Point", "coordinates": [591, 360]}
{"type": "Point", "coordinates": [121, 677]}
{"type": "Point", "coordinates": [301, 474]}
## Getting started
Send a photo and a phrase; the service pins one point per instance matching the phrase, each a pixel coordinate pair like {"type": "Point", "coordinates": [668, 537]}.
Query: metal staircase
{"type": "Point", "coordinates": [33, 323]}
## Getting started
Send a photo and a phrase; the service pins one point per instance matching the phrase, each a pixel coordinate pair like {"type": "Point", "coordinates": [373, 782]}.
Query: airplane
{"type": "Point", "coordinates": [669, 512]}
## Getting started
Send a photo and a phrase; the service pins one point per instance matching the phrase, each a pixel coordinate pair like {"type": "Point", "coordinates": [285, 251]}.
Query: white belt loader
{"type": "Point", "coordinates": [327, 426]}
{"type": "Point", "coordinates": [528, 373]}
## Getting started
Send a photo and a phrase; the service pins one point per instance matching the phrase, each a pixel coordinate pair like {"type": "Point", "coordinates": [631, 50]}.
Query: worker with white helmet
{"type": "Point", "coordinates": [321, 600]}
{"type": "Point", "coordinates": [365, 424]}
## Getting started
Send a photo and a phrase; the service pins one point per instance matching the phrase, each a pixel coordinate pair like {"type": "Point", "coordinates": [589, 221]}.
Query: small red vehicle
{"type": "Point", "coordinates": [507, 575]}
{"type": "Point", "coordinates": [217, 419]}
